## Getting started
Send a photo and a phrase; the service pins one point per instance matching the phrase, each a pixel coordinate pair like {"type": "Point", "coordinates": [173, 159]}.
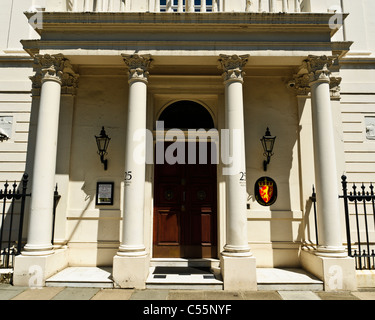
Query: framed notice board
{"type": "Point", "coordinates": [104, 193]}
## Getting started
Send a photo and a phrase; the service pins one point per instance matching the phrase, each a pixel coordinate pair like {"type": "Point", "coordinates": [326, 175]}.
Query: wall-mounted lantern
{"type": "Point", "coordinates": [102, 142]}
{"type": "Point", "coordinates": [268, 142]}
{"type": "Point", "coordinates": [3, 136]}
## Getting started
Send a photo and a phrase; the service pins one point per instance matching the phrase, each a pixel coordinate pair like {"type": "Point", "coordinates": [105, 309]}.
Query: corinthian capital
{"type": "Point", "coordinates": [36, 80]}
{"type": "Point", "coordinates": [334, 87]}
{"type": "Point", "coordinates": [53, 68]}
{"type": "Point", "coordinates": [138, 66]}
{"type": "Point", "coordinates": [233, 66]}
{"type": "Point", "coordinates": [69, 79]}
{"type": "Point", "coordinates": [49, 66]}
{"type": "Point", "coordinates": [318, 67]}
{"type": "Point", "coordinates": [300, 84]}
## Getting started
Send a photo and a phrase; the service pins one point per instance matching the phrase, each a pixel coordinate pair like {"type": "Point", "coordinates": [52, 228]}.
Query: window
{"type": "Point", "coordinates": [197, 5]}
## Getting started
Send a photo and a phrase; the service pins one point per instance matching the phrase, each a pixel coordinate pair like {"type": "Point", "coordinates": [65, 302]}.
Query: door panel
{"type": "Point", "coordinates": [201, 223]}
{"type": "Point", "coordinates": [168, 227]}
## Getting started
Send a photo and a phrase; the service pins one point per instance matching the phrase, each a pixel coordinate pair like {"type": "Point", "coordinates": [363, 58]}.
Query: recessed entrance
{"type": "Point", "coordinates": [185, 195]}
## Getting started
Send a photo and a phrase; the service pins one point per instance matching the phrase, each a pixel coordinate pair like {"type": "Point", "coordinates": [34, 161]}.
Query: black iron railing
{"type": "Point", "coordinates": [56, 199]}
{"type": "Point", "coordinates": [13, 203]}
{"type": "Point", "coordinates": [12, 217]}
{"type": "Point", "coordinates": [313, 201]}
{"type": "Point", "coordinates": [360, 203]}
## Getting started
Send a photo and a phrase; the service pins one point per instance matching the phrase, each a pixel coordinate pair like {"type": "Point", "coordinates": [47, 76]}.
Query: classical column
{"type": "Point", "coordinates": [237, 243]}
{"type": "Point", "coordinates": [87, 6]}
{"type": "Point", "coordinates": [330, 261]}
{"type": "Point", "coordinates": [261, 5]}
{"type": "Point", "coordinates": [130, 264]}
{"type": "Point", "coordinates": [190, 6]}
{"type": "Point", "coordinates": [50, 72]}
{"type": "Point", "coordinates": [169, 5]}
{"type": "Point", "coordinates": [203, 6]}
{"type": "Point", "coordinates": [180, 6]}
{"type": "Point", "coordinates": [329, 226]}
{"type": "Point", "coordinates": [297, 6]}
{"type": "Point", "coordinates": [99, 6]}
{"type": "Point", "coordinates": [215, 6]}
{"type": "Point", "coordinates": [248, 5]}
{"type": "Point", "coordinates": [285, 6]}
{"type": "Point", "coordinates": [236, 254]}
{"type": "Point", "coordinates": [132, 240]}
{"type": "Point", "coordinates": [272, 4]}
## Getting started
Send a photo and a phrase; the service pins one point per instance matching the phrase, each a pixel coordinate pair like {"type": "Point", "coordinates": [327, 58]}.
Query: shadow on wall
{"type": "Point", "coordinates": [99, 102]}
{"type": "Point", "coordinates": [268, 103]}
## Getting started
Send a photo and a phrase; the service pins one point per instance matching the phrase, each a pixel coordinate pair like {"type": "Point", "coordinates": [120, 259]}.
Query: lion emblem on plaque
{"type": "Point", "coordinates": [265, 191]}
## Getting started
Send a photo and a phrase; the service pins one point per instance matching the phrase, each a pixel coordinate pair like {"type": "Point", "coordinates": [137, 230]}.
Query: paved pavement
{"type": "Point", "coordinates": [176, 304]}
{"type": "Point", "coordinates": [9, 292]}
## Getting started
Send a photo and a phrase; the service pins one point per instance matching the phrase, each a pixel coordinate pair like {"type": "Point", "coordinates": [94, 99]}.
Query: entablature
{"type": "Point", "coordinates": [196, 34]}
{"type": "Point", "coordinates": [158, 22]}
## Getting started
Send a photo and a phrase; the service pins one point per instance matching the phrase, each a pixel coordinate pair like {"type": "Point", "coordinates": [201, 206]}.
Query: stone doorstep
{"type": "Point", "coordinates": [189, 274]}
{"type": "Point", "coordinates": [172, 277]}
{"type": "Point", "coordinates": [180, 262]}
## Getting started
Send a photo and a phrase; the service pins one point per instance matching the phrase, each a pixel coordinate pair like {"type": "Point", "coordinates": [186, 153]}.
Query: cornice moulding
{"type": "Point", "coordinates": [91, 20]}
{"type": "Point", "coordinates": [20, 59]}
{"type": "Point", "coordinates": [113, 47]}
{"type": "Point", "coordinates": [358, 60]}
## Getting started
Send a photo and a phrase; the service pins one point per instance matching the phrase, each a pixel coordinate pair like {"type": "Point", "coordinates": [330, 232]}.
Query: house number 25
{"type": "Point", "coordinates": [128, 175]}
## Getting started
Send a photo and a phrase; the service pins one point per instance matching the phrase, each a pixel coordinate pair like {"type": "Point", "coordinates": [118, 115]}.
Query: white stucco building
{"type": "Point", "coordinates": [303, 69]}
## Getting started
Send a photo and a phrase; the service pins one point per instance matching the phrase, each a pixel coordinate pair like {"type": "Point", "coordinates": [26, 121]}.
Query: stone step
{"type": "Point", "coordinates": [93, 277]}
{"type": "Point", "coordinates": [180, 277]}
{"type": "Point", "coordinates": [287, 279]}
{"type": "Point", "coordinates": [180, 262]}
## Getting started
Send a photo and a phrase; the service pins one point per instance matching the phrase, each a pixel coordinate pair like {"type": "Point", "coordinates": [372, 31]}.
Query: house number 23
{"type": "Point", "coordinates": [243, 176]}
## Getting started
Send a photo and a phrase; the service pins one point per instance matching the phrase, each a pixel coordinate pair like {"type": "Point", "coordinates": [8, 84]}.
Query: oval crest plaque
{"type": "Point", "coordinates": [265, 191]}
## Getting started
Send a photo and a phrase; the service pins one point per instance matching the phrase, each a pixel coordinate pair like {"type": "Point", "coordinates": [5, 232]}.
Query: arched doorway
{"type": "Point", "coordinates": [185, 190]}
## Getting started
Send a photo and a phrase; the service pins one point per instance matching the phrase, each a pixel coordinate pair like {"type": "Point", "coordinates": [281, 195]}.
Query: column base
{"type": "Point", "coordinates": [331, 252]}
{"type": "Point", "coordinates": [236, 251]}
{"type": "Point", "coordinates": [130, 272]}
{"type": "Point", "coordinates": [33, 270]}
{"type": "Point", "coordinates": [38, 250]}
{"type": "Point", "coordinates": [337, 274]}
{"type": "Point", "coordinates": [238, 272]}
{"type": "Point", "coordinates": [131, 251]}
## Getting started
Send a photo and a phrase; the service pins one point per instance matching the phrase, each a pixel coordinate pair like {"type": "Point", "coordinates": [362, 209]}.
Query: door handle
{"type": "Point", "coordinates": [183, 196]}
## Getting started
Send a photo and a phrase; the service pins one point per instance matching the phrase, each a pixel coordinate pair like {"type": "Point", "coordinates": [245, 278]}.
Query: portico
{"type": "Point", "coordinates": [243, 89]}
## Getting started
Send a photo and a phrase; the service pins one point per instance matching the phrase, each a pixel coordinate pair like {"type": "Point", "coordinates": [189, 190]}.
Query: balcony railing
{"type": "Point", "coordinates": [184, 5]}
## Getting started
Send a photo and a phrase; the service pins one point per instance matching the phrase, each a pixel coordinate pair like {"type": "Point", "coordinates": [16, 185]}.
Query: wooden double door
{"type": "Point", "coordinates": [185, 209]}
